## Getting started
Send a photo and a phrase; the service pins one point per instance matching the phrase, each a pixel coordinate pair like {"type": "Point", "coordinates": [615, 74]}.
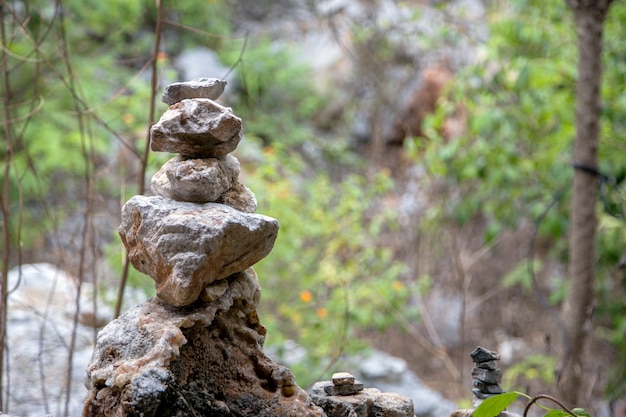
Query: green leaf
{"type": "Point", "coordinates": [557, 413]}
{"type": "Point", "coordinates": [580, 412]}
{"type": "Point", "coordinates": [493, 406]}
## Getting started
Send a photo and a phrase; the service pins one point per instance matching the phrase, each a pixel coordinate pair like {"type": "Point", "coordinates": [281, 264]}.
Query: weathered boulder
{"type": "Point", "coordinates": [210, 88]}
{"type": "Point", "coordinates": [186, 246]}
{"type": "Point", "coordinates": [205, 359]}
{"type": "Point", "coordinates": [206, 180]}
{"type": "Point", "coordinates": [369, 402]}
{"type": "Point", "coordinates": [197, 128]}
{"type": "Point", "coordinates": [193, 180]}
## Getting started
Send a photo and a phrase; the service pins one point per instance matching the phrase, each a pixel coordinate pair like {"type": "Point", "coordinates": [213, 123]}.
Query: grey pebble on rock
{"type": "Point", "coordinates": [210, 88]}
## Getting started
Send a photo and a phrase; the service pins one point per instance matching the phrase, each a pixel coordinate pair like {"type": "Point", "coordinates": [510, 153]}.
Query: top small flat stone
{"type": "Point", "coordinates": [481, 355]}
{"type": "Point", "coordinates": [210, 88]}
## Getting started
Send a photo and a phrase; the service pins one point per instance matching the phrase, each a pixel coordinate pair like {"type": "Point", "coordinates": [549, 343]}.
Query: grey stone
{"type": "Point", "coordinates": [343, 378]}
{"type": "Point", "coordinates": [350, 389]}
{"type": "Point", "coordinates": [370, 402]}
{"type": "Point", "coordinates": [487, 365]}
{"type": "Point", "coordinates": [197, 128]}
{"type": "Point", "coordinates": [210, 88]}
{"type": "Point", "coordinates": [480, 355]}
{"type": "Point", "coordinates": [186, 246]}
{"type": "Point", "coordinates": [486, 388]}
{"type": "Point", "coordinates": [193, 180]}
{"type": "Point", "coordinates": [489, 376]}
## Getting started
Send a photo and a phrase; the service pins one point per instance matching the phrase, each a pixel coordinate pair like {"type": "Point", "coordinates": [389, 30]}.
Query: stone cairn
{"type": "Point", "coordinates": [485, 376]}
{"type": "Point", "coordinates": [196, 348]}
{"type": "Point", "coordinates": [485, 381]}
{"type": "Point", "coordinates": [346, 396]}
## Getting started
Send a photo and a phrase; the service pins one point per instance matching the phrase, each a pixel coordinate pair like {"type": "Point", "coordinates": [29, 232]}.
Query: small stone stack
{"type": "Point", "coordinates": [346, 396]}
{"type": "Point", "coordinates": [344, 383]}
{"type": "Point", "coordinates": [196, 348]}
{"type": "Point", "coordinates": [485, 376]}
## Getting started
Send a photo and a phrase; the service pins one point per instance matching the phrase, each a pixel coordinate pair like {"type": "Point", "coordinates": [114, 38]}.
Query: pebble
{"type": "Point", "coordinates": [343, 378]}
{"type": "Point", "coordinates": [344, 383]}
{"type": "Point", "coordinates": [485, 375]}
{"type": "Point", "coordinates": [210, 88]}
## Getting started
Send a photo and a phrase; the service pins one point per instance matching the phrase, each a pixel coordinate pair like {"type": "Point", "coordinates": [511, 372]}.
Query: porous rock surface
{"type": "Point", "coordinates": [186, 246]}
{"type": "Point", "coordinates": [197, 348]}
{"type": "Point", "coordinates": [205, 359]}
{"type": "Point", "coordinates": [208, 180]}
{"type": "Point", "coordinates": [197, 128]}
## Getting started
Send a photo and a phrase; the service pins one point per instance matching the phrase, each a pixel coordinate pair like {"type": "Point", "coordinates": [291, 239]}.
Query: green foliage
{"type": "Point", "coordinates": [514, 155]}
{"type": "Point", "coordinates": [328, 274]}
{"type": "Point", "coordinates": [277, 99]}
{"type": "Point", "coordinates": [520, 275]}
{"type": "Point", "coordinates": [532, 368]}
{"type": "Point", "coordinates": [493, 406]}
{"type": "Point", "coordinates": [513, 164]}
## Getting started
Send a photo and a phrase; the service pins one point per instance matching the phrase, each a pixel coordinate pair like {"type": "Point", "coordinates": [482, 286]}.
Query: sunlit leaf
{"type": "Point", "coordinates": [493, 406]}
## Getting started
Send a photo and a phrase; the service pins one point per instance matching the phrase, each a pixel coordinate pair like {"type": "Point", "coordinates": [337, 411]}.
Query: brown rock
{"type": "Point", "coordinates": [186, 246]}
{"type": "Point", "coordinates": [343, 378]}
{"type": "Point", "coordinates": [197, 128]}
{"type": "Point", "coordinates": [201, 360]}
{"type": "Point", "coordinates": [239, 197]}
{"type": "Point", "coordinates": [193, 180]}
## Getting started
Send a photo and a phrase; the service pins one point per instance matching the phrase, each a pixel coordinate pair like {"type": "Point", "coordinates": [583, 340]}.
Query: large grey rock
{"type": "Point", "coordinates": [208, 180]}
{"type": "Point", "coordinates": [186, 246]}
{"type": "Point", "coordinates": [197, 128]}
{"type": "Point", "coordinates": [370, 402]}
{"type": "Point", "coordinates": [203, 360]}
{"type": "Point", "coordinates": [194, 180]}
{"type": "Point", "coordinates": [210, 88]}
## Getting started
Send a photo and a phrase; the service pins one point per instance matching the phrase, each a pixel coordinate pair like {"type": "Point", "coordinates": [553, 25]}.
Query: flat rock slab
{"type": "Point", "coordinates": [186, 246]}
{"type": "Point", "coordinates": [197, 128]}
{"type": "Point", "coordinates": [210, 88]}
{"type": "Point", "coordinates": [370, 402]}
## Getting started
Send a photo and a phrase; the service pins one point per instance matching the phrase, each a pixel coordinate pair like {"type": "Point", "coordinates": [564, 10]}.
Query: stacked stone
{"type": "Point", "coordinates": [344, 383]}
{"type": "Point", "coordinates": [207, 233]}
{"type": "Point", "coordinates": [485, 376]}
{"type": "Point", "coordinates": [346, 396]}
{"type": "Point", "coordinates": [196, 348]}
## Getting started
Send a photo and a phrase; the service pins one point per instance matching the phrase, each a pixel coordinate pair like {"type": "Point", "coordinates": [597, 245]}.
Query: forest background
{"type": "Point", "coordinates": [421, 172]}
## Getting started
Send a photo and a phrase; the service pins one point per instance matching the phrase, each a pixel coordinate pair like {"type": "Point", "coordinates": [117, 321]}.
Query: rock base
{"type": "Point", "coordinates": [369, 402]}
{"type": "Point", "coordinates": [205, 359]}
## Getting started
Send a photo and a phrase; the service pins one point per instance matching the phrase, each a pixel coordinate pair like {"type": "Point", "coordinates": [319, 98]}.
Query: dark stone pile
{"type": "Point", "coordinates": [485, 376]}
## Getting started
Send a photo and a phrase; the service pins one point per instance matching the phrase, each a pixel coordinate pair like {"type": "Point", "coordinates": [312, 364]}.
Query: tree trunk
{"type": "Point", "coordinates": [589, 18]}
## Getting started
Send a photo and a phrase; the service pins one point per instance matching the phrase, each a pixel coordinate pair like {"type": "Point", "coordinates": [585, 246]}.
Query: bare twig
{"type": "Point", "coordinates": [144, 160]}
{"type": "Point", "coordinates": [547, 397]}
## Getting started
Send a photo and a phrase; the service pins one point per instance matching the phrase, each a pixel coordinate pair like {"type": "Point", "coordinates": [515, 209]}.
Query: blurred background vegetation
{"type": "Point", "coordinates": [423, 243]}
